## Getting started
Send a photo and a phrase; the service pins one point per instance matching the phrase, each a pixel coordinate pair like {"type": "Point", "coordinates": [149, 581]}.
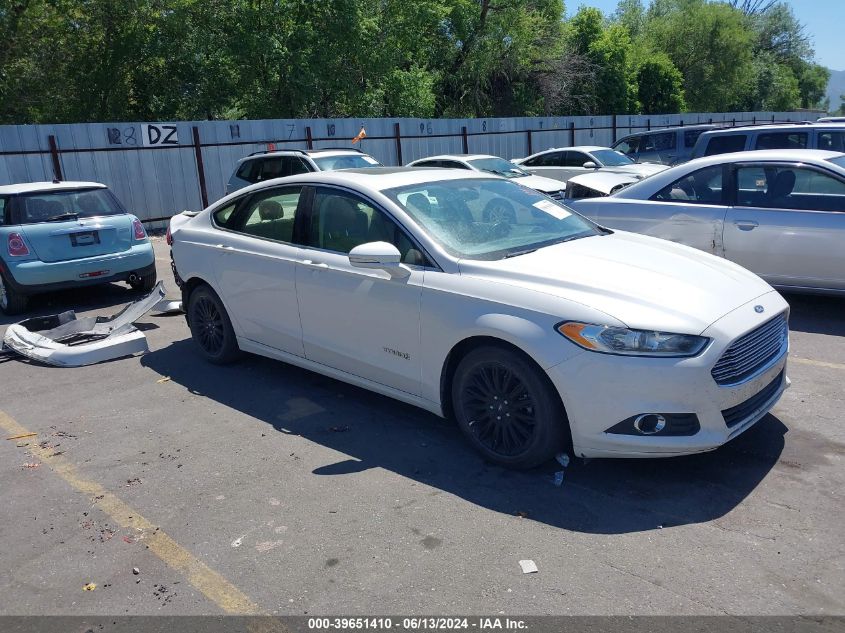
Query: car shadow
{"type": "Point", "coordinates": [77, 299]}
{"type": "Point", "coordinates": [601, 496]}
{"type": "Point", "coordinates": [816, 314]}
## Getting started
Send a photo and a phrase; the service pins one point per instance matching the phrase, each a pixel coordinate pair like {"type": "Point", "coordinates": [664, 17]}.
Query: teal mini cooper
{"type": "Point", "coordinates": [58, 235]}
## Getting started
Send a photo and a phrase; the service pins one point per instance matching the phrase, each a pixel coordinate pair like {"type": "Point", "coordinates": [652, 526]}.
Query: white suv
{"type": "Point", "coordinates": [267, 165]}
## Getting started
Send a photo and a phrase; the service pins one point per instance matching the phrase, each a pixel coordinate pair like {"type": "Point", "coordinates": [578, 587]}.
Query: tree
{"type": "Point", "coordinates": [659, 86]}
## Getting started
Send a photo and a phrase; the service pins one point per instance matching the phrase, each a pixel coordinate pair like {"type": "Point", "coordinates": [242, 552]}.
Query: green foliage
{"type": "Point", "coordinates": [102, 60]}
{"type": "Point", "coordinates": [659, 86]}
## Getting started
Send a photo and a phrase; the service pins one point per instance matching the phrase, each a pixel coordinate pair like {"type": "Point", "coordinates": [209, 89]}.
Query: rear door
{"type": "Point", "coordinates": [255, 266]}
{"type": "Point", "coordinates": [73, 224]}
{"type": "Point", "coordinates": [788, 224]}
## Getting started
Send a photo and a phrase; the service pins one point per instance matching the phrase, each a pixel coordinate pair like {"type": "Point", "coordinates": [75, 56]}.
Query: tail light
{"type": "Point", "coordinates": [138, 228]}
{"type": "Point", "coordinates": [17, 247]}
{"type": "Point", "coordinates": [168, 237]}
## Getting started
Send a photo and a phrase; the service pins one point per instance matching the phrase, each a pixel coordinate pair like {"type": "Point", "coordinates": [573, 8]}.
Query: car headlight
{"type": "Point", "coordinates": [620, 340]}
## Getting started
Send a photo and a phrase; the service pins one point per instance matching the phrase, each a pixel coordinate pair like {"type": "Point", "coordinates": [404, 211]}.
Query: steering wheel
{"type": "Point", "coordinates": [498, 210]}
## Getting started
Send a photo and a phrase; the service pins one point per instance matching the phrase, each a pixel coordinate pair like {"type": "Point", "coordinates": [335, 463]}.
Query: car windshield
{"type": "Point", "coordinates": [55, 206]}
{"type": "Point", "coordinates": [489, 218]}
{"type": "Point", "coordinates": [837, 160]}
{"type": "Point", "coordinates": [611, 158]}
{"type": "Point", "coordinates": [498, 166]}
{"type": "Point", "coordinates": [345, 161]}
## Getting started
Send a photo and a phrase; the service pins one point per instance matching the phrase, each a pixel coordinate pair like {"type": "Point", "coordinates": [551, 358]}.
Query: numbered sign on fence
{"type": "Point", "coordinates": [154, 134]}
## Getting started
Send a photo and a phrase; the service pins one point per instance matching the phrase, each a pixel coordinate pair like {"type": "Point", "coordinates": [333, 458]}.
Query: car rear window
{"type": "Point", "coordinates": [55, 206]}
{"type": "Point", "coordinates": [725, 144]}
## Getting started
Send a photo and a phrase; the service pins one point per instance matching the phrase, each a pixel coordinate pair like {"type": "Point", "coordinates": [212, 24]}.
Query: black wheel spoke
{"type": "Point", "coordinates": [500, 409]}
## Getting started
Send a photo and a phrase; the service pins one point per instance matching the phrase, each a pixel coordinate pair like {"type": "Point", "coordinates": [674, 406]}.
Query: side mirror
{"type": "Point", "coordinates": [590, 165]}
{"type": "Point", "coordinates": [378, 255]}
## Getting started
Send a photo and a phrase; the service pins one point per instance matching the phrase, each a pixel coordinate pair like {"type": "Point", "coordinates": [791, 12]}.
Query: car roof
{"type": "Point", "coordinates": [774, 127]}
{"type": "Point", "coordinates": [674, 128]}
{"type": "Point", "coordinates": [60, 185]}
{"type": "Point", "coordinates": [456, 157]}
{"type": "Point", "coordinates": [326, 151]}
{"type": "Point", "coordinates": [581, 148]}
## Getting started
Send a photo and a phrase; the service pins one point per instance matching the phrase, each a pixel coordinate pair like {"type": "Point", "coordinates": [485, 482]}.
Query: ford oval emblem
{"type": "Point", "coordinates": [759, 309]}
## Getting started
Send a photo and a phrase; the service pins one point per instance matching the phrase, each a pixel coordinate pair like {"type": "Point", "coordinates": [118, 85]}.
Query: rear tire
{"type": "Point", "coordinates": [11, 301]}
{"type": "Point", "coordinates": [211, 328]}
{"type": "Point", "coordinates": [507, 408]}
{"type": "Point", "coordinates": [145, 283]}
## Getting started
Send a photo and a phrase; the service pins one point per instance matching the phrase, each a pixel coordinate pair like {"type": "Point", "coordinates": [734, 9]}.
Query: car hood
{"type": "Point", "coordinates": [546, 185]}
{"type": "Point", "coordinates": [637, 169]}
{"type": "Point", "coordinates": [644, 282]}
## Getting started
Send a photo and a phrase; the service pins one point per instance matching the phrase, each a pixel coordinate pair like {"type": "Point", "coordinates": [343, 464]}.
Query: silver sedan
{"type": "Point", "coordinates": [778, 213]}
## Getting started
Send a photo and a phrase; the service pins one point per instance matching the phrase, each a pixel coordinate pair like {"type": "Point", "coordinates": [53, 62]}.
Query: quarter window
{"type": "Point", "coordinates": [628, 146]}
{"type": "Point", "coordinates": [222, 216]}
{"type": "Point", "coordinates": [659, 142]}
{"type": "Point", "coordinates": [700, 187]}
{"type": "Point", "coordinates": [341, 221]}
{"type": "Point", "coordinates": [833, 141]}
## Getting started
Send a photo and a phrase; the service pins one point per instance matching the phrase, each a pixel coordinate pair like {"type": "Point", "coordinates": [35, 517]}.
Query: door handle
{"type": "Point", "coordinates": [745, 225]}
{"type": "Point", "coordinates": [224, 247]}
{"type": "Point", "coordinates": [310, 264]}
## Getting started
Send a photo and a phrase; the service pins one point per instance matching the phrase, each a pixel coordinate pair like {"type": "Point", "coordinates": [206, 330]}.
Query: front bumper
{"type": "Point", "coordinates": [35, 276]}
{"type": "Point", "coordinates": [601, 390]}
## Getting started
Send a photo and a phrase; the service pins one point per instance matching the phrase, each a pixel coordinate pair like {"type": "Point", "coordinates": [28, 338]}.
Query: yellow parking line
{"type": "Point", "coordinates": [815, 363]}
{"type": "Point", "coordinates": [210, 583]}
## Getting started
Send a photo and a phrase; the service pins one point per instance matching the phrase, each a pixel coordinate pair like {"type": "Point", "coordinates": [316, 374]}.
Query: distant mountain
{"type": "Point", "coordinates": [836, 87]}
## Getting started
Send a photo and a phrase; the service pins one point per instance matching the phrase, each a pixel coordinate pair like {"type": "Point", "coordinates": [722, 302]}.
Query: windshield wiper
{"type": "Point", "coordinates": [63, 216]}
{"type": "Point", "coordinates": [517, 253]}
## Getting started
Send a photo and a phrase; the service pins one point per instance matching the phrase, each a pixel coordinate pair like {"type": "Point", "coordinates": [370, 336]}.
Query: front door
{"type": "Point", "coordinates": [256, 267]}
{"type": "Point", "coordinates": [361, 321]}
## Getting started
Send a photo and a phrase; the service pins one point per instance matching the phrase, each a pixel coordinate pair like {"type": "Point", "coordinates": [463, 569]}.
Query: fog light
{"type": "Point", "coordinates": [657, 424]}
{"type": "Point", "coordinates": [649, 423]}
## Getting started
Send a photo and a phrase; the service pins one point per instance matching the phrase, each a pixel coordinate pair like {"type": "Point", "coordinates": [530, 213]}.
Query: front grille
{"type": "Point", "coordinates": [556, 195]}
{"type": "Point", "coordinates": [744, 410]}
{"type": "Point", "coordinates": [752, 352]}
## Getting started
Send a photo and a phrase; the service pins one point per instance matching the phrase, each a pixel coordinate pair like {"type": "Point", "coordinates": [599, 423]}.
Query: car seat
{"type": "Point", "coordinates": [270, 210]}
{"type": "Point", "coordinates": [781, 188]}
{"type": "Point", "coordinates": [343, 225]}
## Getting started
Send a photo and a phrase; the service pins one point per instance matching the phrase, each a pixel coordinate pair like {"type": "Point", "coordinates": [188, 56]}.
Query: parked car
{"type": "Point", "coordinates": [779, 213]}
{"type": "Point", "coordinates": [596, 185]}
{"type": "Point", "coordinates": [831, 119]}
{"type": "Point", "coordinates": [391, 279]}
{"type": "Point", "coordinates": [267, 165]}
{"type": "Point", "coordinates": [827, 136]}
{"type": "Point", "coordinates": [564, 163]}
{"type": "Point", "coordinates": [667, 146]}
{"type": "Point", "coordinates": [494, 165]}
{"type": "Point", "coordinates": [56, 235]}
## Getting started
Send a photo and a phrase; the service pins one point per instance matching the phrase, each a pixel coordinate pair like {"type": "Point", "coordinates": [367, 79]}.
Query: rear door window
{"type": "Point", "coordinates": [270, 214]}
{"type": "Point", "coordinates": [782, 140]}
{"type": "Point", "coordinates": [658, 142]}
{"type": "Point", "coordinates": [725, 144]}
{"type": "Point", "coordinates": [789, 187]}
{"type": "Point", "coordinates": [550, 159]}
{"type": "Point", "coordinates": [700, 187]}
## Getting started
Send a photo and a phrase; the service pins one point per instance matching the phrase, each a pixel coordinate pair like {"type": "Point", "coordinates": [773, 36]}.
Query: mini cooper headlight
{"type": "Point", "coordinates": [620, 340]}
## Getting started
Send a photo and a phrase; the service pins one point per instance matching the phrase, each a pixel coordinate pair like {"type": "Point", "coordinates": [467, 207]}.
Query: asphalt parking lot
{"type": "Point", "coordinates": [263, 488]}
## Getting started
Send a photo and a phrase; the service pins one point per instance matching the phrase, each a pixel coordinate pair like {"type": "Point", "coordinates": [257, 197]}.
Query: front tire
{"type": "Point", "coordinates": [11, 301]}
{"type": "Point", "coordinates": [211, 328]}
{"type": "Point", "coordinates": [507, 408]}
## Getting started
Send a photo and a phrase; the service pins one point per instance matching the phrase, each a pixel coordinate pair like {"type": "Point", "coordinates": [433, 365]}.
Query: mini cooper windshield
{"type": "Point", "coordinates": [490, 219]}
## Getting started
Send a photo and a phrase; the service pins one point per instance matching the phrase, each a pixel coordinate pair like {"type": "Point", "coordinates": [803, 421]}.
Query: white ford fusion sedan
{"type": "Point", "coordinates": [539, 331]}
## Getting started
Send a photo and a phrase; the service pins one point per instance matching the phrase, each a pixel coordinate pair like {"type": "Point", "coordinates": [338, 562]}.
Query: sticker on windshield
{"type": "Point", "coordinates": [370, 160]}
{"type": "Point", "coordinates": [552, 209]}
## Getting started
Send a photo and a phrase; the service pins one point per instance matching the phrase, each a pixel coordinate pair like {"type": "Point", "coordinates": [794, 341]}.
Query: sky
{"type": "Point", "coordinates": [823, 20]}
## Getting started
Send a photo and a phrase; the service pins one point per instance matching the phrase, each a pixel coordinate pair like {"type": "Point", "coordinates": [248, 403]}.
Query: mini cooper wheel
{"type": "Point", "coordinates": [211, 328]}
{"type": "Point", "coordinates": [507, 409]}
{"type": "Point", "coordinates": [11, 301]}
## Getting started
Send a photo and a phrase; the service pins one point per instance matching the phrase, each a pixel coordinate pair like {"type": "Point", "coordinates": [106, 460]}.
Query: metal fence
{"type": "Point", "coordinates": [159, 169]}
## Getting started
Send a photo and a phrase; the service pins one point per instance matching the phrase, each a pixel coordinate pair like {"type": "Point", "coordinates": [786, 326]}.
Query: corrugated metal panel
{"type": "Point", "coordinates": [158, 182]}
